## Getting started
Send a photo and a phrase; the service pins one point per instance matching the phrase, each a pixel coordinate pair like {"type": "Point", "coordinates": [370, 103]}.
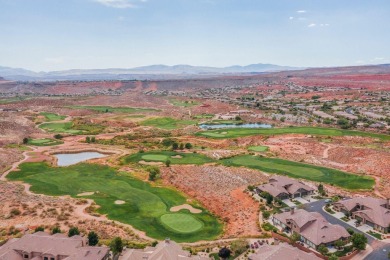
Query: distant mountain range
{"type": "Point", "coordinates": [153, 71]}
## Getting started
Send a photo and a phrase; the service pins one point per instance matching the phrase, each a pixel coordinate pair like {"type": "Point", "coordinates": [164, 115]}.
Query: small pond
{"type": "Point", "coordinates": [67, 159]}
{"type": "Point", "coordinates": [218, 126]}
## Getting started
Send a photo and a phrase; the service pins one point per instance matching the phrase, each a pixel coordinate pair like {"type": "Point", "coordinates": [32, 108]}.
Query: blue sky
{"type": "Point", "coordinates": [45, 35]}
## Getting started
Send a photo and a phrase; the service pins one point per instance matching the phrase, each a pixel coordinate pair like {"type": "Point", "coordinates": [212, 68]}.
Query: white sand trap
{"type": "Point", "coordinates": [150, 163]}
{"type": "Point", "coordinates": [186, 206]}
{"type": "Point", "coordinates": [223, 133]}
{"type": "Point", "coordinates": [86, 194]}
{"type": "Point", "coordinates": [120, 202]}
{"type": "Point", "coordinates": [177, 156]}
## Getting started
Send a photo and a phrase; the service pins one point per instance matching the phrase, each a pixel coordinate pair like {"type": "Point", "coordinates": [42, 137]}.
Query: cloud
{"type": "Point", "coordinates": [312, 25]}
{"type": "Point", "coordinates": [379, 58]}
{"type": "Point", "coordinates": [301, 11]}
{"type": "Point", "coordinates": [324, 24]}
{"type": "Point", "coordinates": [291, 18]}
{"type": "Point", "coordinates": [120, 3]}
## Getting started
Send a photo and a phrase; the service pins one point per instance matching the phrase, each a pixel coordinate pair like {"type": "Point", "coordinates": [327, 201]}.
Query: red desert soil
{"type": "Point", "coordinates": [221, 190]}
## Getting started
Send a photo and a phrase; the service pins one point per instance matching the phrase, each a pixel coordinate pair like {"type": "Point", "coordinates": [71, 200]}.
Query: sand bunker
{"type": "Point", "coordinates": [186, 206]}
{"type": "Point", "coordinates": [177, 156]}
{"type": "Point", "coordinates": [86, 194]}
{"type": "Point", "coordinates": [150, 163]}
{"type": "Point", "coordinates": [119, 202]}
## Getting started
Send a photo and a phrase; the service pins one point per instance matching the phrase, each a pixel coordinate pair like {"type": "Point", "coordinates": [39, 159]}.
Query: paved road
{"type": "Point", "coordinates": [380, 253]}
{"type": "Point", "coordinates": [317, 207]}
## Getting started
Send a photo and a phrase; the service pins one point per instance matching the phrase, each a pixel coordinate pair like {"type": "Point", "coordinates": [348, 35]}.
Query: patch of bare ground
{"type": "Point", "coordinates": [14, 127]}
{"type": "Point", "coordinates": [23, 212]}
{"type": "Point", "coordinates": [8, 157]}
{"type": "Point", "coordinates": [221, 190]}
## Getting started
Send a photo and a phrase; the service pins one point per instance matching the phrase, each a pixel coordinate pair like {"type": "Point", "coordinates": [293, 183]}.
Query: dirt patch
{"type": "Point", "coordinates": [120, 202]}
{"type": "Point", "coordinates": [85, 194]}
{"type": "Point", "coordinates": [186, 206]}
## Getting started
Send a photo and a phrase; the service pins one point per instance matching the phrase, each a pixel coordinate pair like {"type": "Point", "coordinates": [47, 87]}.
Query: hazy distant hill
{"type": "Point", "coordinates": [181, 71]}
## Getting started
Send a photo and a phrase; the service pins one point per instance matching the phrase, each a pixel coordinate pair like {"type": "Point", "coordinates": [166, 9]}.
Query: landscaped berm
{"type": "Point", "coordinates": [143, 206]}
{"type": "Point", "coordinates": [163, 156]}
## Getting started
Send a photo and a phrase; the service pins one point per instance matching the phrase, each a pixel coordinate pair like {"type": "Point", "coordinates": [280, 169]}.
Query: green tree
{"type": "Point", "coordinates": [359, 241]}
{"type": "Point", "coordinates": [323, 249]}
{"type": "Point", "coordinates": [188, 146]}
{"type": "Point", "coordinates": [181, 147]}
{"type": "Point", "coordinates": [73, 231]}
{"type": "Point", "coordinates": [88, 139]}
{"type": "Point", "coordinates": [25, 140]}
{"type": "Point", "coordinates": [321, 189]}
{"type": "Point", "coordinates": [168, 163]}
{"type": "Point", "coordinates": [333, 257]}
{"type": "Point", "coordinates": [56, 230]}
{"type": "Point", "coordinates": [175, 146]}
{"type": "Point", "coordinates": [266, 214]}
{"type": "Point", "coordinates": [238, 118]}
{"type": "Point", "coordinates": [153, 172]}
{"type": "Point", "coordinates": [116, 246]}
{"type": "Point", "coordinates": [40, 228]}
{"type": "Point", "coordinates": [93, 238]}
{"type": "Point", "coordinates": [58, 136]}
{"type": "Point", "coordinates": [339, 243]}
{"type": "Point", "coordinates": [93, 139]}
{"type": "Point", "coordinates": [295, 237]}
{"type": "Point", "coordinates": [224, 253]}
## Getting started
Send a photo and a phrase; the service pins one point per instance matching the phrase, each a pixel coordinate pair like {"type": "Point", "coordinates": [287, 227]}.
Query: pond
{"type": "Point", "coordinates": [67, 159]}
{"type": "Point", "coordinates": [218, 126]}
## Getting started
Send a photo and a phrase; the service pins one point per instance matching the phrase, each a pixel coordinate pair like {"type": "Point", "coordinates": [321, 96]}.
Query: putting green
{"type": "Point", "coordinates": [182, 223]}
{"type": "Point", "coordinates": [155, 157]}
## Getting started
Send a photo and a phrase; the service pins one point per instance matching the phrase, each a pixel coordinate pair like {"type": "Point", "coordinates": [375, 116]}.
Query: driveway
{"type": "Point", "coordinates": [302, 200]}
{"type": "Point", "coordinates": [289, 203]}
{"type": "Point", "coordinates": [317, 207]}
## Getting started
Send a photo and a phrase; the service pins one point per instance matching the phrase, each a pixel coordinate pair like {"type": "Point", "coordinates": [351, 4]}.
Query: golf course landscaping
{"type": "Point", "coordinates": [163, 156]}
{"type": "Point", "coordinates": [44, 142]}
{"type": "Point", "coordinates": [49, 117]}
{"type": "Point", "coordinates": [241, 132]}
{"type": "Point", "coordinates": [258, 148]}
{"type": "Point", "coordinates": [302, 170]}
{"type": "Point", "coordinates": [108, 109]}
{"type": "Point", "coordinates": [63, 127]}
{"type": "Point", "coordinates": [143, 206]}
{"type": "Point", "coordinates": [167, 123]}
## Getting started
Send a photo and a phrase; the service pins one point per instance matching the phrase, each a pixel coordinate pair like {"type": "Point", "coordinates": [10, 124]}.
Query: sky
{"type": "Point", "coordinates": [48, 35]}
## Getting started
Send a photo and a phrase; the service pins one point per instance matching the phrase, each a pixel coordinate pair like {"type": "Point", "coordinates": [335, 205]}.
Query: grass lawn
{"type": "Point", "coordinates": [258, 148]}
{"type": "Point", "coordinates": [146, 207]}
{"type": "Point", "coordinates": [52, 116]}
{"type": "Point", "coordinates": [301, 170]}
{"type": "Point", "coordinates": [44, 142]}
{"type": "Point", "coordinates": [108, 109]}
{"type": "Point", "coordinates": [240, 132]}
{"type": "Point", "coordinates": [183, 103]}
{"type": "Point", "coordinates": [65, 127]}
{"type": "Point", "coordinates": [167, 123]}
{"type": "Point", "coordinates": [375, 234]}
{"type": "Point", "coordinates": [163, 156]}
{"type": "Point", "coordinates": [204, 116]}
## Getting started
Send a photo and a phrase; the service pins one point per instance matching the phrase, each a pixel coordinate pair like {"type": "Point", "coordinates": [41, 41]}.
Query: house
{"type": "Point", "coordinates": [371, 211]}
{"type": "Point", "coordinates": [281, 252]}
{"type": "Point", "coordinates": [312, 227]}
{"type": "Point", "coordinates": [166, 250]}
{"type": "Point", "coordinates": [283, 188]}
{"type": "Point", "coordinates": [43, 246]}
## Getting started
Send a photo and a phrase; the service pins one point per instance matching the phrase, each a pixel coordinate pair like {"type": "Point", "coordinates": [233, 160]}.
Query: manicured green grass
{"type": "Point", "coordinates": [167, 123]}
{"type": "Point", "coordinates": [163, 156]}
{"type": "Point", "coordinates": [258, 148]}
{"type": "Point", "coordinates": [52, 117]}
{"type": "Point", "coordinates": [304, 171]}
{"type": "Point", "coordinates": [108, 109]}
{"type": "Point", "coordinates": [44, 142]}
{"type": "Point", "coordinates": [204, 116]}
{"type": "Point", "coordinates": [144, 204]}
{"type": "Point", "coordinates": [240, 132]}
{"type": "Point", "coordinates": [181, 223]}
{"type": "Point", "coordinates": [65, 127]}
{"type": "Point", "coordinates": [183, 103]}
